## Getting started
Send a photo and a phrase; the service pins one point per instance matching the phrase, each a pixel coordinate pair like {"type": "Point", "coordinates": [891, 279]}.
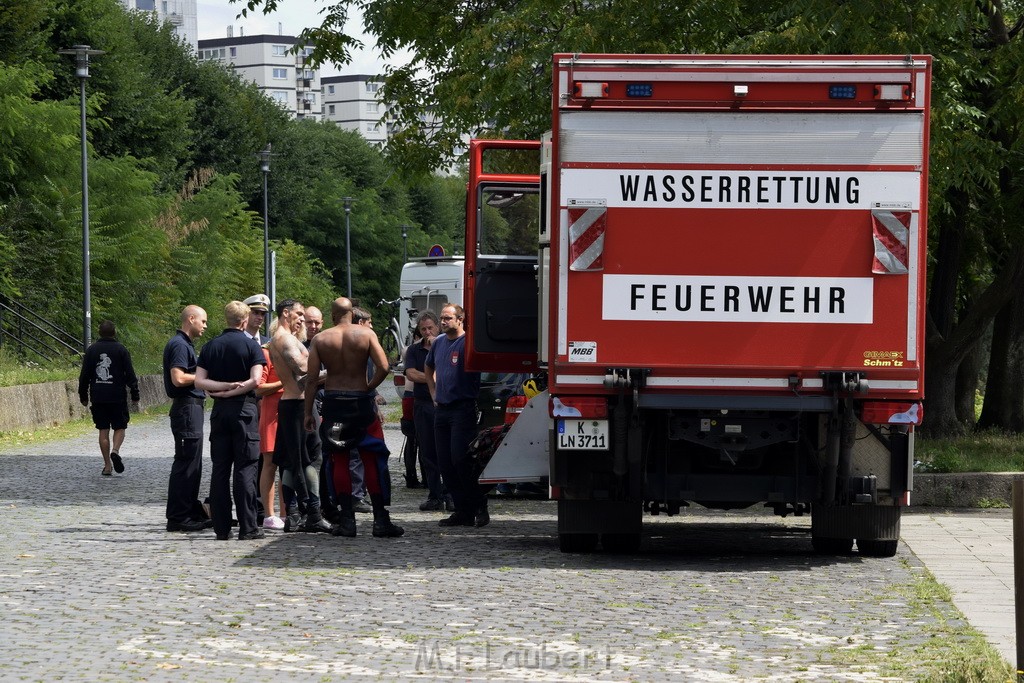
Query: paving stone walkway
{"type": "Point", "coordinates": [93, 589]}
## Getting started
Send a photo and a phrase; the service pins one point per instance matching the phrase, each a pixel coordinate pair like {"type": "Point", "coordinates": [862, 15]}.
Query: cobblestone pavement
{"type": "Point", "coordinates": [94, 589]}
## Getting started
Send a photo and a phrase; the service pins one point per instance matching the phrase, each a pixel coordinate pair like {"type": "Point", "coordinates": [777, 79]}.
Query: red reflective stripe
{"type": "Point", "coordinates": [890, 230]}
{"type": "Point", "coordinates": [586, 238]}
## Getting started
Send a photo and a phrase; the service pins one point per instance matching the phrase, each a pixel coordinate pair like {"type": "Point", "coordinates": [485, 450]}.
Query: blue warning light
{"type": "Point", "coordinates": [842, 92]}
{"type": "Point", "coordinates": [639, 90]}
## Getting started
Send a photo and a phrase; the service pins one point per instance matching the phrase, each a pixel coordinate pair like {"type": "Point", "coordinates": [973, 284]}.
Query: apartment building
{"type": "Point", "coordinates": [352, 102]}
{"type": "Point", "coordinates": [181, 14]}
{"type": "Point", "coordinates": [274, 65]}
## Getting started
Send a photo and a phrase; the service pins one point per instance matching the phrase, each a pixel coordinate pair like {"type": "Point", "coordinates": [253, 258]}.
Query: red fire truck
{"type": "Point", "coordinates": [720, 275]}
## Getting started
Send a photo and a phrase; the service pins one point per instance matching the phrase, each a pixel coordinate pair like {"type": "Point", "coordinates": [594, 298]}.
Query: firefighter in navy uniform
{"type": "Point", "coordinates": [186, 422]}
{"type": "Point", "coordinates": [229, 369]}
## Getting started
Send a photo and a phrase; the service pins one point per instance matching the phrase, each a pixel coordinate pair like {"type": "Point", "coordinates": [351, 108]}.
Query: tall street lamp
{"type": "Point", "coordinates": [405, 237]}
{"type": "Point", "coordinates": [348, 243]}
{"type": "Point", "coordinates": [264, 157]}
{"type": "Point", "coordinates": [82, 54]}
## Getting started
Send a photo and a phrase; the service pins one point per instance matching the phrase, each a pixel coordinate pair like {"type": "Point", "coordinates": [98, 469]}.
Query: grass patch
{"type": "Point", "coordinates": [967, 656]}
{"type": "Point", "coordinates": [16, 373]}
{"type": "Point", "coordinates": [988, 451]}
{"type": "Point", "coordinates": [991, 504]}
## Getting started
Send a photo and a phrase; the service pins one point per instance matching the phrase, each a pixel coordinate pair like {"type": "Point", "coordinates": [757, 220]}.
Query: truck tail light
{"type": "Point", "coordinates": [891, 412]}
{"type": "Point", "coordinates": [892, 92]}
{"type": "Point", "coordinates": [399, 380]}
{"type": "Point", "coordinates": [589, 89]}
{"type": "Point", "coordinates": [513, 407]}
{"type": "Point", "coordinates": [579, 406]}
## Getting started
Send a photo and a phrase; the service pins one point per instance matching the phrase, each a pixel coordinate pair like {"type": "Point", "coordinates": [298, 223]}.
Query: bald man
{"type": "Point", "coordinates": [350, 417]}
{"type": "Point", "coordinates": [186, 422]}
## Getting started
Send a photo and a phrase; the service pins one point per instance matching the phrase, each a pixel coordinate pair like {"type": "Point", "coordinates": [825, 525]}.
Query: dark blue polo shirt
{"type": "Point", "coordinates": [180, 353]}
{"type": "Point", "coordinates": [229, 356]}
{"type": "Point", "coordinates": [451, 381]}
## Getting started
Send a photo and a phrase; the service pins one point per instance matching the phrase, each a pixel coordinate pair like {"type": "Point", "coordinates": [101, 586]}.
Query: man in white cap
{"type": "Point", "coordinates": [258, 305]}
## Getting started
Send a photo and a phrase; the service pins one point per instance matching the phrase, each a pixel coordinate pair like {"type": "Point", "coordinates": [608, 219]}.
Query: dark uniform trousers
{"type": "Point", "coordinates": [234, 443]}
{"type": "Point", "coordinates": [454, 429]}
{"type": "Point", "coordinates": [187, 471]}
{"type": "Point", "coordinates": [423, 416]}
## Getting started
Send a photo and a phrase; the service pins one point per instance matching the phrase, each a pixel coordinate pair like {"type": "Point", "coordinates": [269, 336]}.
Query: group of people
{"type": "Point", "coordinates": [320, 390]}
{"type": "Point", "coordinates": [281, 403]}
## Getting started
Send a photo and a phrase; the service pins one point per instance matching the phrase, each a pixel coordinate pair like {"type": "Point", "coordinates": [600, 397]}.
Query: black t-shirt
{"type": "Point", "coordinates": [180, 353]}
{"type": "Point", "coordinates": [106, 371]}
{"type": "Point", "coordinates": [230, 356]}
{"type": "Point", "coordinates": [415, 356]}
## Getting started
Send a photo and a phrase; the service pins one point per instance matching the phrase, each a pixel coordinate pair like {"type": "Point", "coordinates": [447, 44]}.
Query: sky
{"type": "Point", "coordinates": [294, 15]}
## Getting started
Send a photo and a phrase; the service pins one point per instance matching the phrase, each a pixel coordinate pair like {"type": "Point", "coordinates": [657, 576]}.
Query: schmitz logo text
{"type": "Point", "coordinates": [738, 299]}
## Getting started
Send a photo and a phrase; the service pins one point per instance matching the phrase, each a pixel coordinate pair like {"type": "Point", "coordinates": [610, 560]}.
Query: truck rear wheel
{"type": "Point", "coordinates": [876, 528]}
{"type": "Point", "coordinates": [870, 548]}
{"type": "Point", "coordinates": [577, 543]}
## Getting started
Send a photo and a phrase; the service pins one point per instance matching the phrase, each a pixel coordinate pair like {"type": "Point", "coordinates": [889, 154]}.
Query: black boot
{"type": "Point", "coordinates": [383, 527]}
{"type": "Point", "coordinates": [346, 525]}
{"type": "Point", "coordinates": [294, 520]}
{"type": "Point", "coordinates": [315, 523]}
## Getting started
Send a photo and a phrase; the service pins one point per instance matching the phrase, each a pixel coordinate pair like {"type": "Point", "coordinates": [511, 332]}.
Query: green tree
{"type": "Point", "coordinates": [316, 165]}
{"type": "Point", "coordinates": [437, 207]}
{"type": "Point", "coordinates": [139, 112]}
{"type": "Point", "coordinates": [170, 221]}
{"type": "Point", "coordinates": [976, 247]}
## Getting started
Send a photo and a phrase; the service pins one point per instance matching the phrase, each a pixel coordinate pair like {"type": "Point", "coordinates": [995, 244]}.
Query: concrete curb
{"type": "Point", "coordinates": [32, 406]}
{"type": "Point", "coordinates": [964, 490]}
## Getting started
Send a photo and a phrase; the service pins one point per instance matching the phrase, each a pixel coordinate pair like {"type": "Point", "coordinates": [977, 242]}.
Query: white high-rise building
{"type": "Point", "coordinates": [352, 103]}
{"type": "Point", "coordinates": [181, 14]}
{"type": "Point", "coordinates": [272, 63]}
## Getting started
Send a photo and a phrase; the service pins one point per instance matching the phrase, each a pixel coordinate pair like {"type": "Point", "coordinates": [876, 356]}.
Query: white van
{"type": "Point", "coordinates": [428, 284]}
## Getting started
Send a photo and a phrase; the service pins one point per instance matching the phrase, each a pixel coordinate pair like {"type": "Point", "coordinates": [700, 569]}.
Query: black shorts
{"type": "Point", "coordinates": [109, 415]}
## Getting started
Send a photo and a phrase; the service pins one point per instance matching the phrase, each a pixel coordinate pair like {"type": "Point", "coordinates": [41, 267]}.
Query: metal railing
{"type": "Point", "coordinates": [33, 337]}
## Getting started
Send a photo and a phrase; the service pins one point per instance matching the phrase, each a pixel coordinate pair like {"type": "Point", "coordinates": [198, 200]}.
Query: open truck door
{"type": "Point", "coordinates": [503, 212]}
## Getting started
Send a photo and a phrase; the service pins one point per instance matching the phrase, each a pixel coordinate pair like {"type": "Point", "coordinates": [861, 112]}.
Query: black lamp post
{"type": "Point", "coordinates": [265, 169]}
{"type": "Point", "coordinates": [405, 237]}
{"type": "Point", "coordinates": [82, 54]}
{"type": "Point", "coordinates": [348, 243]}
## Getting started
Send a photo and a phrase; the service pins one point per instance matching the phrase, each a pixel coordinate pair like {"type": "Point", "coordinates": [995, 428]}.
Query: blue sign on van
{"type": "Point", "coordinates": [436, 250]}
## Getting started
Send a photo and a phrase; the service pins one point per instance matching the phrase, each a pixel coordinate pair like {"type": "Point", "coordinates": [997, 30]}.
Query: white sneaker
{"type": "Point", "coordinates": [274, 523]}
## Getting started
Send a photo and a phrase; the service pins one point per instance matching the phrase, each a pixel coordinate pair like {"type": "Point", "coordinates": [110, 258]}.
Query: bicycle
{"type": "Point", "coordinates": [391, 338]}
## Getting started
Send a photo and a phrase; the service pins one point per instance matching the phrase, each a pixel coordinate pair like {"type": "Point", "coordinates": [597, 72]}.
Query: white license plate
{"type": "Point", "coordinates": [582, 435]}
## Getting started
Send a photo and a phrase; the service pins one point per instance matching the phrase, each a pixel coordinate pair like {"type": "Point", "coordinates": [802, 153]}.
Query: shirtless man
{"type": "Point", "coordinates": [299, 473]}
{"type": "Point", "coordinates": [350, 418]}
